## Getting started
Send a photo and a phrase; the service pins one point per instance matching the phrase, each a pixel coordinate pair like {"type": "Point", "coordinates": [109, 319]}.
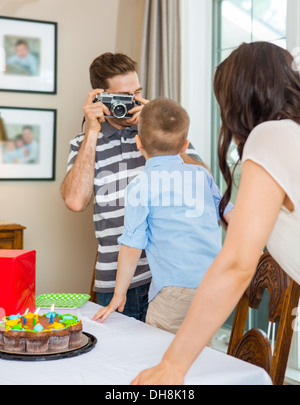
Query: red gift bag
{"type": "Point", "coordinates": [17, 281]}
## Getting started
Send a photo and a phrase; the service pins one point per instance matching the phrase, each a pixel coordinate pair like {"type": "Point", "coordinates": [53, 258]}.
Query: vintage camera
{"type": "Point", "coordinates": [118, 104]}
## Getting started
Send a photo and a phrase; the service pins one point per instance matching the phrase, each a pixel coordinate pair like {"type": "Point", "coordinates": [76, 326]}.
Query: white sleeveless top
{"type": "Point", "coordinates": [275, 145]}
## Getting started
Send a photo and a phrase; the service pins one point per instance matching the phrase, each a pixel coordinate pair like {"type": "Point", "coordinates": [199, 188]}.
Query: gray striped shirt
{"type": "Point", "coordinates": [117, 162]}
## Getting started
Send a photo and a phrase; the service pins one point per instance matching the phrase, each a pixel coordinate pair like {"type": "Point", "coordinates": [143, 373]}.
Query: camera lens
{"type": "Point", "coordinates": [118, 109]}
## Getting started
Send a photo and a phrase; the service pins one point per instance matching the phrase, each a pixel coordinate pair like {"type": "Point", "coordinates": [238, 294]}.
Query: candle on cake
{"type": "Point", "coordinates": [51, 314]}
{"type": "Point", "coordinates": [29, 316]}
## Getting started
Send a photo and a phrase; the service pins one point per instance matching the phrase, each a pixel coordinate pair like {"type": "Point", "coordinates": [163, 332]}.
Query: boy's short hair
{"type": "Point", "coordinates": [163, 127]}
{"type": "Point", "coordinates": [109, 65]}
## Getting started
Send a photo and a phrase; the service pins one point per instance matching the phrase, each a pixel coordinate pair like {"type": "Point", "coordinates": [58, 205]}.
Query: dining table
{"type": "Point", "coordinates": [122, 347]}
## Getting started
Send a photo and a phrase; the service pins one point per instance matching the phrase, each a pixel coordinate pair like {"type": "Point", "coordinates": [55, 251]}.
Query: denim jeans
{"type": "Point", "coordinates": [136, 302]}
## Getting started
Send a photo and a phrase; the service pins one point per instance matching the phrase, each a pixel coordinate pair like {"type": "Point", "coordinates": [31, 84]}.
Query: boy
{"type": "Point", "coordinates": [172, 213]}
{"type": "Point", "coordinates": [101, 163]}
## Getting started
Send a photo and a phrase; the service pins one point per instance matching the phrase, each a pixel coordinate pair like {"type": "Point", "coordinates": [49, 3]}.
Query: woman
{"type": "Point", "coordinates": [259, 96]}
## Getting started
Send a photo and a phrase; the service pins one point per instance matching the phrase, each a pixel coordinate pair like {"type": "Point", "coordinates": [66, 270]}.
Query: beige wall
{"type": "Point", "coordinates": [64, 240]}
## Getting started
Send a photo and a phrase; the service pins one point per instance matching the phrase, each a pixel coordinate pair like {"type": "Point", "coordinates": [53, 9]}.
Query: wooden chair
{"type": "Point", "coordinates": [254, 346]}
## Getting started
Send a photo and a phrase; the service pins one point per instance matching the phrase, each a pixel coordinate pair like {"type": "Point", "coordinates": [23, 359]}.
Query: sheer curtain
{"type": "Point", "coordinates": [160, 64]}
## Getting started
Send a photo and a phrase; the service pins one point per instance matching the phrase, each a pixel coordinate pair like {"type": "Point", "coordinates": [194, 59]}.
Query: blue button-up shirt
{"type": "Point", "coordinates": [172, 212]}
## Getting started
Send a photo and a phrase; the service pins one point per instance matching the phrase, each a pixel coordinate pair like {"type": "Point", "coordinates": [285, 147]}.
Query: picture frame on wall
{"type": "Point", "coordinates": [27, 143]}
{"type": "Point", "coordinates": [29, 50]}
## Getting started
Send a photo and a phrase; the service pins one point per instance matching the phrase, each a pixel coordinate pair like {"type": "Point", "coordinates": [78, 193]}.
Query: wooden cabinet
{"type": "Point", "coordinates": [11, 235]}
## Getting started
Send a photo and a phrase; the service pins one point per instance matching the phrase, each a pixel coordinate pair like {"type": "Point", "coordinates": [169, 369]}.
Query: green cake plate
{"type": "Point", "coordinates": [66, 301]}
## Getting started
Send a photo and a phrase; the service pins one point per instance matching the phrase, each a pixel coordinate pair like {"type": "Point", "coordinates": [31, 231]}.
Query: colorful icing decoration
{"type": "Point", "coordinates": [14, 317]}
{"type": "Point", "coordinates": [13, 322]}
{"type": "Point", "coordinates": [38, 328]}
{"type": "Point", "coordinates": [69, 319]}
{"type": "Point", "coordinates": [57, 326]}
{"type": "Point", "coordinates": [17, 327]}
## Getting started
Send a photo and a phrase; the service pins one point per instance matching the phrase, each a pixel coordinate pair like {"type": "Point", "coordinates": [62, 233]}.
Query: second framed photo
{"type": "Point", "coordinates": [29, 53]}
{"type": "Point", "coordinates": [27, 143]}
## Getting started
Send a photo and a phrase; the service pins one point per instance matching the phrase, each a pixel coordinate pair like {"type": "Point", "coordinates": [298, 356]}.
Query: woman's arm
{"type": "Point", "coordinates": [256, 210]}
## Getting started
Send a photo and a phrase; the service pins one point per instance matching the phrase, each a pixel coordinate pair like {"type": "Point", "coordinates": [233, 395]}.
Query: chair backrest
{"type": "Point", "coordinates": [254, 346]}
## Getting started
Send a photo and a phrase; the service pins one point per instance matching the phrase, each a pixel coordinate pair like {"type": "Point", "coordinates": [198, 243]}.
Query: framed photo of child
{"type": "Point", "coordinates": [28, 55]}
{"type": "Point", "coordinates": [27, 143]}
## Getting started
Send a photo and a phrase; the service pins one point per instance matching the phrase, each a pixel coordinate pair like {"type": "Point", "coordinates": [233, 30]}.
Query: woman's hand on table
{"type": "Point", "coordinates": [117, 303]}
{"type": "Point", "coordinates": [162, 374]}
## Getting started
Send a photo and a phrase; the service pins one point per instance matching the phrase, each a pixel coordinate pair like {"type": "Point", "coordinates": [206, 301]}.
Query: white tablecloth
{"type": "Point", "coordinates": [125, 347]}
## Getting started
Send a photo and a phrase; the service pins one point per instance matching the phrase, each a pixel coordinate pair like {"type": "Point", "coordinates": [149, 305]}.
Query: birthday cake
{"type": "Point", "coordinates": [33, 333]}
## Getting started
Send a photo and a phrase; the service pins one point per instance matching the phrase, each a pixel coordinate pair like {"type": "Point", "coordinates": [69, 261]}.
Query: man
{"type": "Point", "coordinates": [102, 162]}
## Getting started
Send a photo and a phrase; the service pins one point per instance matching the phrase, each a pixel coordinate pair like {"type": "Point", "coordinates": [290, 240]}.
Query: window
{"type": "Point", "coordinates": [237, 21]}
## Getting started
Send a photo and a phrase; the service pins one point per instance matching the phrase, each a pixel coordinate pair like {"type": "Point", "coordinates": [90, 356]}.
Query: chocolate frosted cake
{"type": "Point", "coordinates": [38, 334]}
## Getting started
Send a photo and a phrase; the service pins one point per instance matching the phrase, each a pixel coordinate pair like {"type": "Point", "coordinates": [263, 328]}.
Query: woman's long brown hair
{"type": "Point", "coordinates": [258, 82]}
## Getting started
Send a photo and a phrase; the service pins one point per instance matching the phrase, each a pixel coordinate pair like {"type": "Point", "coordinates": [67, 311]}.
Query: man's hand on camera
{"type": "Point", "coordinates": [94, 112]}
{"type": "Point", "coordinates": [137, 110]}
